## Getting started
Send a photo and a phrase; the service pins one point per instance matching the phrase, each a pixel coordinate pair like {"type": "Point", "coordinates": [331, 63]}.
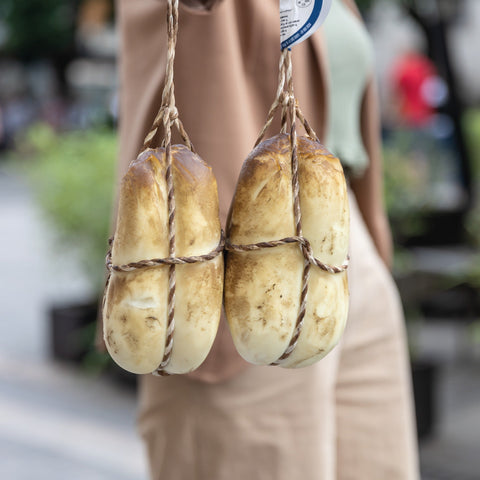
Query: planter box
{"type": "Point", "coordinates": [461, 302]}
{"type": "Point", "coordinates": [72, 331]}
{"type": "Point", "coordinates": [71, 328]}
{"type": "Point", "coordinates": [424, 375]}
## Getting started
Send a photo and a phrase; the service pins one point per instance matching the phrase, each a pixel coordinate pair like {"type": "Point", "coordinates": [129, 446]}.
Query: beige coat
{"type": "Point", "coordinates": [347, 417]}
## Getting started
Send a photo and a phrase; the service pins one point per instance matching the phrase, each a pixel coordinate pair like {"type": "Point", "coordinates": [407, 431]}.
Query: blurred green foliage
{"type": "Point", "coordinates": [39, 28]}
{"type": "Point", "coordinates": [72, 175]}
{"type": "Point", "coordinates": [471, 125]}
{"type": "Point", "coordinates": [365, 4]}
{"type": "Point", "coordinates": [416, 169]}
{"type": "Point", "coordinates": [404, 186]}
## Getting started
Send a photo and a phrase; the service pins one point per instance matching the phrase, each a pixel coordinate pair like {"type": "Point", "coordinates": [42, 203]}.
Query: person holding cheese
{"type": "Point", "coordinates": [349, 416]}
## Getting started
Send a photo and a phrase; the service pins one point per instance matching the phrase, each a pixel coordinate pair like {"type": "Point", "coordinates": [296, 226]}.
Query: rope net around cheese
{"type": "Point", "coordinates": [262, 287]}
{"type": "Point", "coordinates": [136, 303]}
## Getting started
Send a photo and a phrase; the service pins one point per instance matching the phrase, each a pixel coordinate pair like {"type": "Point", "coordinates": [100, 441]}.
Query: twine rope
{"type": "Point", "coordinates": [290, 110]}
{"type": "Point", "coordinates": [168, 112]}
{"type": "Point", "coordinates": [285, 99]}
{"type": "Point", "coordinates": [156, 262]}
{"type": "Point", "coordinates": [302, 241]}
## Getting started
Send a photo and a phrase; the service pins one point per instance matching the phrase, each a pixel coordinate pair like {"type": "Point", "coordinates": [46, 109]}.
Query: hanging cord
{"type": "Point", "coordinates": [285, 99]}
{"type": "Point", "coordinates": [168, 116]}
{"type": "Point", "coordinates": [168, 113]}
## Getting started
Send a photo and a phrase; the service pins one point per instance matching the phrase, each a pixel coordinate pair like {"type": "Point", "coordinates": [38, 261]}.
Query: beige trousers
{"type": "Point", "coordinates": [349, 417]}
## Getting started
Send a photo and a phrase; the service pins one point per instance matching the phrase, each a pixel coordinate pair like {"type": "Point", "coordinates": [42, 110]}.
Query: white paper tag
{"type": "Point", "coordinates": [301, 18]}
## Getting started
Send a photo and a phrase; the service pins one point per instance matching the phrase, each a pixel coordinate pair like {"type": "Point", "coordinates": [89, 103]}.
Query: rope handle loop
{"type": "Point", "coordinates": [286, 100]}
{"type": "Point", "coordinates": [168, 113]}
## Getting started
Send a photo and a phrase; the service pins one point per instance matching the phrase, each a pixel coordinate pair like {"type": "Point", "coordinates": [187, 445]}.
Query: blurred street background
{"type": "Point", "coordinates": [65, 411]}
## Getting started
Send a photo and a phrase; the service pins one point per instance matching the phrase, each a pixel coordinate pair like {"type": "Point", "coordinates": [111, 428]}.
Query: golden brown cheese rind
{"type": "Point", "coordinates": [135, 313]}
{"type": "Point", "coordinates": [262, 288]}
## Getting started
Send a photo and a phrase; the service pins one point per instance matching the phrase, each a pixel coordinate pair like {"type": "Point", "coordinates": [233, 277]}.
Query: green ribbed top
{"type": "Point", "coordinates": [350, 61]}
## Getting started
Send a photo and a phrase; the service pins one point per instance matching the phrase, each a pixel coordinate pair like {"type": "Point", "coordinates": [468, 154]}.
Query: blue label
{"type": "Point", "coordinates": [301, 18]}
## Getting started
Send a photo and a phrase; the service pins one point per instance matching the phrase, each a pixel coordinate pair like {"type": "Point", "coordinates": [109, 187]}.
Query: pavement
{"type": "Point", "coordinates": [453, 450]}
{"type": "Point", "coordinates": [58, 422]}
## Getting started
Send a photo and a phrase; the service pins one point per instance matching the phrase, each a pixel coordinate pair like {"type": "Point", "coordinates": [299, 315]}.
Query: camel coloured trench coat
{"type": "Point", "coordinates": [347, 417]}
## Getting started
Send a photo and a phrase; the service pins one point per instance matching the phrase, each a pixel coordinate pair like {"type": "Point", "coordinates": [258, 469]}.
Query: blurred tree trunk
{"type": "Point", "coordinates": [435, 22]}
{"type": "Point", "coordinates": [41, 30]}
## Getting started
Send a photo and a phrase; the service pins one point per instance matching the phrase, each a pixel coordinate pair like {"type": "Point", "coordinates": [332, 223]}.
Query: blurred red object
{"type": "Point", "coordinates": [411, 75]}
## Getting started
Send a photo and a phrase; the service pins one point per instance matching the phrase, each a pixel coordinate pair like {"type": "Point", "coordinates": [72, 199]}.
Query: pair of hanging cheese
{"type": "Point", "coordinates": [262, 288]}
